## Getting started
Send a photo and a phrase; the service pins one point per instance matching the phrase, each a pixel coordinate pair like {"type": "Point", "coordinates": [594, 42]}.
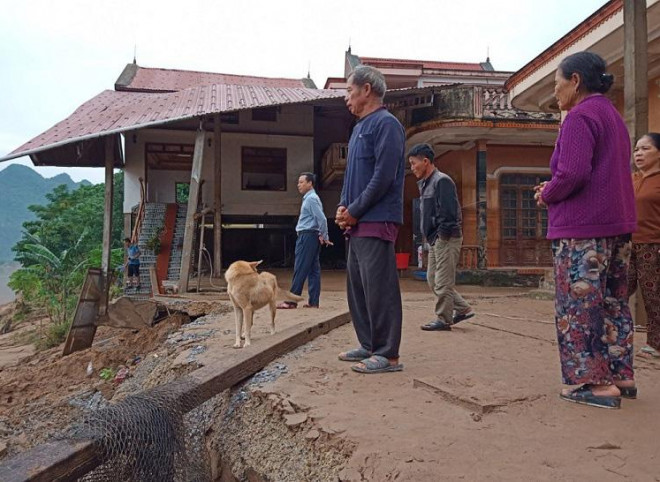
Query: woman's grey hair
{"type": "Point", "coordinates": [364, 74]}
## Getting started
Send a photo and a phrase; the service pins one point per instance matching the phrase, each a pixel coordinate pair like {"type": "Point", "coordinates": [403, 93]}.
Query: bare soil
{"type": "Point", "coordinates": [478, 403]}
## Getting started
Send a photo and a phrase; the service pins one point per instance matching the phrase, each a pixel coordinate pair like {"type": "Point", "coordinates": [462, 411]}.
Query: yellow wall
{"type": "Point", "coordinates": [461, 166]}
{"type": "Point", "coordinates": [532, 160]}
{"type": "Point", "coordinates": [654, 104]}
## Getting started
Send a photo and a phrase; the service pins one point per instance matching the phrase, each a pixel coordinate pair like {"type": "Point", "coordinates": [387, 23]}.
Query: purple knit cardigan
{"type": "Point", "coordinates": [591, 194]}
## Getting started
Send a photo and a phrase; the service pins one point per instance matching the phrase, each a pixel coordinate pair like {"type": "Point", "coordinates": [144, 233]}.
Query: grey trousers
{"type": "Point", "coordinates": [441, 277]}
{"type": "Point", "coordinates": [374, 296]}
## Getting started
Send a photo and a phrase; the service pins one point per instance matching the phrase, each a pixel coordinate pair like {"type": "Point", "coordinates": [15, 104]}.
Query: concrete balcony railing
{"type": "Point", "coordinates": [473, 102]}
{"type": "Point", "coordinates": [333, 164]}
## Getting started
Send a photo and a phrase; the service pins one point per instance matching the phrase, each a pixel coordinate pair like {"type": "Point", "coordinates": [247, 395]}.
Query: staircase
{"type": "Point", "coordinates": [174, 269]}
{"type": "Point", "coordinates": [154, 218]}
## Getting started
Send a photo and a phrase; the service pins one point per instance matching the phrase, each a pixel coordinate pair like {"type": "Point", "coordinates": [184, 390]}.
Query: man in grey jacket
{"type": "Point", "coordinates": [441, 227]}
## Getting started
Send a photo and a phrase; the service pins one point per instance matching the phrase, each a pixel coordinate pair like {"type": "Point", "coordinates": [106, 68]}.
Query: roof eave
{"type": "Point", "coordinates": [583, 28]}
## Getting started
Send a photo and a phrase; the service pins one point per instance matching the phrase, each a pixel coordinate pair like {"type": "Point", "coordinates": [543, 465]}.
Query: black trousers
{"type": "Point", "coordinates": [374, 296]}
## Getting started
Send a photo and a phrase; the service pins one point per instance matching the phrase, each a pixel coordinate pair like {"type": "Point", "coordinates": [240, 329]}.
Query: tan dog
{"type": "Point", "coordinates": [249, 291]}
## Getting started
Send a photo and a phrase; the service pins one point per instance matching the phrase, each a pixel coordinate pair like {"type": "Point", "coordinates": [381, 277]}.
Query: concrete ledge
{"type": "Point", "coordinates": [506, 278]}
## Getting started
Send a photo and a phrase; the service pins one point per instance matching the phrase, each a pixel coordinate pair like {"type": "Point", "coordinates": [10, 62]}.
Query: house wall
{"type": "Point", "coordinates": [653, 101]}
{"type": "Point", "coordinates": [461, 167]}
{"type": "Point", "coordinates": [300, 157]}
{"type": "Point", "coordinates": [160, 183]}
{"type": "Point", "coordinates": [291, 119]}
{"type": "Point", "coordinates": [501, 159]}
{"type": "Point", "coordinates": [293, 131]}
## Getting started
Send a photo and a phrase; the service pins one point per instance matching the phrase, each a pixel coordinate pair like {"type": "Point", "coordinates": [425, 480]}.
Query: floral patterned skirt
{"type": "Point", "coordinates": [644, 276]}
{"type": "Point", "coordinates": [592, 316]}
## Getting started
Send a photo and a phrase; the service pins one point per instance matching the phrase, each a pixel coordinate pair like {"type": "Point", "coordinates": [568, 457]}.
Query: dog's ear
{"type": "Point", "coordinates": [254, 264]}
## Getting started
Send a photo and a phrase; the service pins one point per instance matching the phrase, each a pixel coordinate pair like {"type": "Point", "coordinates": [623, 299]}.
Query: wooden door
{"type": "Point", "coordinates": [524, 225]}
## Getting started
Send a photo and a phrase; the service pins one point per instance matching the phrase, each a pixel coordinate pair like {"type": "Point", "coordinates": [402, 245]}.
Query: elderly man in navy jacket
{"type": "Point", "coordinates": [371, 211]}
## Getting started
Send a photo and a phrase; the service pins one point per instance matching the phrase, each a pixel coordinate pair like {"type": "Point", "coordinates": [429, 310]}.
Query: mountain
{"type": "Point", "coordinates": [21, 187]}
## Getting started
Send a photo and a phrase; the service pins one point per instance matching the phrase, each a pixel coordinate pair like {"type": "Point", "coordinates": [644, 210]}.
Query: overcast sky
{"type": "Point", "coordinates": [55, 55]}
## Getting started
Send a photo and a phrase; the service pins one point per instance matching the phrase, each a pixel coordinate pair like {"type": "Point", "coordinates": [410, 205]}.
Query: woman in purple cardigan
{"type": "Point", "coordinates": [591, 215]}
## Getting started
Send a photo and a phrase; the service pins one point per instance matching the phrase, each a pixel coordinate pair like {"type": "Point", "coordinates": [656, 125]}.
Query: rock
{"type": "Point", "coordinates": [476, 417]}
{"type": "Point", "coordinates": [287, 407]}
{"type": "Point", "coordinates": [295, 419]}
{"type": "Point", "coordinates": [312, 434]}
{"type": "Point", "coordinates": [3, 449]}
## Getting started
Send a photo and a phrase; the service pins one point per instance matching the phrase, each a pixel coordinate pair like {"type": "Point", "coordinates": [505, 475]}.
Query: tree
{"type": "Point", "coordinates": [56, 249]}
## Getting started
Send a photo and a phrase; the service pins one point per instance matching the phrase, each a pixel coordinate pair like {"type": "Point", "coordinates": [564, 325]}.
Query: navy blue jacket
{"type": "Point", "coordinates": [375, 169]}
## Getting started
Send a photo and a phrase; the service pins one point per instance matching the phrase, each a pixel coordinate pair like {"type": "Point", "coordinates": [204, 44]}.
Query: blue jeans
{"type": "Point", "coordinates": [307, 266]}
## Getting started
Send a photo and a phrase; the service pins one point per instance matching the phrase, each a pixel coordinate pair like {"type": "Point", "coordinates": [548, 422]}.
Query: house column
{"type": "Point", "coordinates": [635, 64]}
{"type": "Point", "coordinates": [635, 92]}
{"type": "Point", "coordinates": [482, 204]}
{"type": "Point", "coordinates": [107, 223]}
{"type": "Point", "coordinates": [217, 198]}
{"type": "Point", "coordinates": [193, 201]}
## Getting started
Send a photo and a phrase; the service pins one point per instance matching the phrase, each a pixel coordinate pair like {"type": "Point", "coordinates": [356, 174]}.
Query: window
{"type": "Point", "coordinates": [521, 217]}
{"type": "Point", "coordinates": [267, 114]}
{"type": "Point", "coordinates": [263, 169]}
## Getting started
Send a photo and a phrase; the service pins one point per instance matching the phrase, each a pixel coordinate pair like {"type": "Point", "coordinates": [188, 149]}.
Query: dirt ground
{"type": "Point", "coordinates": [477, 403]}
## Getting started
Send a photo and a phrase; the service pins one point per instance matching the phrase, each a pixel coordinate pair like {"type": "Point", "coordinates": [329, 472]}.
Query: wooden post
{"type": "Point", "coordinates": [481, 204]}
{"type": "Point", "coordinates": [202, 223]}
{"type": "Point", "coordinates": [635, 63]}
{"type": "Point", "coordinates": [635, 91]}
{"type": "Point", "coordinates": [107, 223]}
{"type": "Point", "coordinates": [193, 198]}
{"type": "Point", "coordinates": [217, 198]}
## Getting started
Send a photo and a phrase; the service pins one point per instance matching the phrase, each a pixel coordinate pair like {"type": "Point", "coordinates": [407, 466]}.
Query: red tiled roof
{"type": "Point", "coordinates": [423, 64]}
{"type": "Point", "coordinates": [144, 79]}
{"type": "Point", "coordinates": [596, 19]}
{"type": "Point", "coordinates": [113, 112]}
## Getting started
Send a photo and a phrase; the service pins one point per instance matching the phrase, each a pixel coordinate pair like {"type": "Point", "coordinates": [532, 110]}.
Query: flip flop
{"type": "Point", "coordinates": [436, 325]}
{"type": "Point", "coordinates": [287, 306]}
{"type": "Point", "coordinates": [628, 392]}
{"type": "Point", "coordinates": [355, 355]}
{"type": "Point", "coordinates": [458, 317]}
{"type": "Point", "coordinates": [376, 364]}
{"type": "Point", "coordinates": [584, 396]}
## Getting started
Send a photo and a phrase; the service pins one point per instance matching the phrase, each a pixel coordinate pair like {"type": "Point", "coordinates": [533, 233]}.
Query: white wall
{"type": "Point", "coordinates": [299, 158]}
{"type": "Point", "coordinates": [160, 184]}
{"type": "Point", "coordinates": [291, 119]}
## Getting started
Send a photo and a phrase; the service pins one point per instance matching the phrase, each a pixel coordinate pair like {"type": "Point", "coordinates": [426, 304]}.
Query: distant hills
{"type": "Point", "coordinates": [21, 187]}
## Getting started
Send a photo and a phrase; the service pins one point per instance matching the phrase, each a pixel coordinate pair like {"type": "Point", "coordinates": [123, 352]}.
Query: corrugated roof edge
{"type": "Point", "coordinates": [330, 94]}
{"type": "Point", "coordinates": [323, 95]}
